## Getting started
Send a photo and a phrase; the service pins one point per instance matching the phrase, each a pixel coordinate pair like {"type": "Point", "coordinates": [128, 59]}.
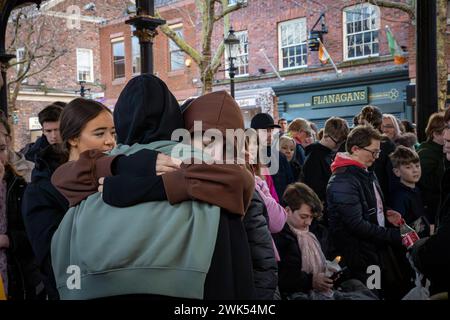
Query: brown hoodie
{"type": "Point", "coordinates": [228, 186]}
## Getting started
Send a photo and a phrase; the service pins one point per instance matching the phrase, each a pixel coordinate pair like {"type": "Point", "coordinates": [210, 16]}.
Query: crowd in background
{"type": "Point", "coordinates": [104, 191]}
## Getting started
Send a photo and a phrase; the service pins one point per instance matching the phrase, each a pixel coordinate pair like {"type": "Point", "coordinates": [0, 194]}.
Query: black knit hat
{"type": "Point", "coordinates": [263, 121]}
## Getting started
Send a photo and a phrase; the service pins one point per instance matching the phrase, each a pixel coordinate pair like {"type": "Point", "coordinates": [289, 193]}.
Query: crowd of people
{"type": "Point", "coordinates": [112, 195]}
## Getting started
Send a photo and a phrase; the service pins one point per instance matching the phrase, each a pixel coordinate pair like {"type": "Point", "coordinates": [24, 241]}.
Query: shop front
{"type": "Point", "coordinates": [317, 101]}
{"type": "Point", "coordinates": [256, 101]}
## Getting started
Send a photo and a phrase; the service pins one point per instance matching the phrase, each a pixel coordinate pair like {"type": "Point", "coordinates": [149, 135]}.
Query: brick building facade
{"type": "Point", "coordinates": [285, 86]}
{"type": "Point", "coordinates": [60, 82]}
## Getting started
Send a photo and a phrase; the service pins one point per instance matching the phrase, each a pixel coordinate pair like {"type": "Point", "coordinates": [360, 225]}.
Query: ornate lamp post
{"type": "Point", "coordinates": [83, 89]}
{"type": "Point", "coordinates": [145, 25]}
{"type": "Point", "coordinates": [232, 47]}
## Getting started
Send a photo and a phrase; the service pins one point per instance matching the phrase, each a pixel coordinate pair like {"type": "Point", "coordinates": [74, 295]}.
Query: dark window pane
{"type": "Point", "coordinates": [358, 51]}
{"type": "Point", "coordinates": [375, 36]}
{"type": "Point", "coordinates": [351, 52]}
{"type": "Point", "coordinates": [119, 69]}
{"type": "Point", "coordinates": [351, 40]}
{"type": "Point", "coordinates": [375, 48]}
{"type": "Point", "coordinates": [358, 38]}
{"type": "Point", "coordinates": [350, 27]}
{"type": "Point", "coordinates": [367, 37]}
{"type": "Point", "coordinates": [291, 51]}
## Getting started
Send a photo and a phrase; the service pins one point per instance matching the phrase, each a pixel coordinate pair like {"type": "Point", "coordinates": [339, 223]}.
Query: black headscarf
{"type": "Point", "coordinates": [146, 111]}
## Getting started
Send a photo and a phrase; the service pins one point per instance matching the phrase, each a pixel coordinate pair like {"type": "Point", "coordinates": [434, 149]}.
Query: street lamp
{"type": "Point", "coordinates": [232, 47]}
{"type": "Point", "coordinates": [145, 25]}
{"type": "Point", "coordinates": [83, 90]}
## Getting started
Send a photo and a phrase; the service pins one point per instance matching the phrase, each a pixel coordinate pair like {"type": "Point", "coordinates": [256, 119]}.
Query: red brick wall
{"type": "Point", "coordinates": [261, 19]}
{"type": "Point", "coordinates": [179, 81]}
{"type": "Point", "coordinates": [62, 75]}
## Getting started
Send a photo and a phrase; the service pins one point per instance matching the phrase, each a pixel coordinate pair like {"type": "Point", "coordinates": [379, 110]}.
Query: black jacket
{"type": "Point", "coordinates": [433, 257]}
{"type": "Point", "coordinates": [353, 223]}
{"type": "Point", "coordinates": [408, 201]}
{"type": "Point", "coordinates": [432, 162]}
{"type": "Point", "coordinates": [284, 175]}
{"type": "Point", "coordinates": [43, 209]}
{"type": "Point", "coordinates": [23, 273]}
{"type": "Point", "coordinates": [291, 278]}
{"type": "Point", "coordinates": [261, 248]}
{"type": "Point", "coordinates": [317, 168]}
{"type": "Point", "coordinates": [383, 169]}
{"type": "Point", "coordinates": [35, 148]}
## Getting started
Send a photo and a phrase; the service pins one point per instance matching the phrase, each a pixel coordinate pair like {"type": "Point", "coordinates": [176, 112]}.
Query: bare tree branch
{"type": "Point", "coordinates": [228, 10]}
{"type": "Point", "coordinates": [180, 42]}
{"type": "Point", "coordinates": [395, 5]}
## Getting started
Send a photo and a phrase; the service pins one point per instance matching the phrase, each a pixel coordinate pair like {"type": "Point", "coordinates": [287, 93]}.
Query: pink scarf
{"type": "Point", "coordinates": [313, 259]}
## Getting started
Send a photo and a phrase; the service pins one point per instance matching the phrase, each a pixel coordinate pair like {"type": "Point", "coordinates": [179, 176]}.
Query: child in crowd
{"type": "Point", "coordinates": [287, 147]}
{"type": "Point", "coordinates": [406, 197]}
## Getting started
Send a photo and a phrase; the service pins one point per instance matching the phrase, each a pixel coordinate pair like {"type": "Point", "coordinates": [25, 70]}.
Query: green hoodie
{"type": "Point", "coordinates": [150, 248]}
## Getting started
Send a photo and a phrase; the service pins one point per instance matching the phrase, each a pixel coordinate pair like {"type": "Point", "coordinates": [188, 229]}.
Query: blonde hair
{"type": "Point", "coordinates": [299, 124]}
{"type": "Point", "coordinates": [394, 123]}
{"type": "Point", "coordinates": [285, 139]}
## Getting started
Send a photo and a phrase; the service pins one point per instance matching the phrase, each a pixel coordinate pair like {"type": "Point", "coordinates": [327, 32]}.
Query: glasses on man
{"type": "Point", "coordinates": [375, 153]}
{"type": "Point", "coordinates": [338, 143]}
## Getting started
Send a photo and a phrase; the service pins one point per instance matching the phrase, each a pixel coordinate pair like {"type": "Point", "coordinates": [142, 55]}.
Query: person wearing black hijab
{"type": "Point", "coordinates": [146, 112]}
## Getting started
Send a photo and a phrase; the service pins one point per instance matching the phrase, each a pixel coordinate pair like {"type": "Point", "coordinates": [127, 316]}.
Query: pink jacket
{"type": "Point", "coordinates": [277, 214]}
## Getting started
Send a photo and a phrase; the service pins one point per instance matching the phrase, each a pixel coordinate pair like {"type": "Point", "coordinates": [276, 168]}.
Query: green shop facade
{"type": "Point", "coordinates": [344, 97]}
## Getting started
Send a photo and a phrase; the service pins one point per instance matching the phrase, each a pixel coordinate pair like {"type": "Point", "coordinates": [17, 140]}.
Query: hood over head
{"type": "Point", "coordinates": [146, 111]}
{"type": "Point", "coordinates": [216, 110]}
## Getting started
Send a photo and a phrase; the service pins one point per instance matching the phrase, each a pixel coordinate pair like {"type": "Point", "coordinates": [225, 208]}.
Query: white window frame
{"type": "Point", "coordinates": [177, 28]}
{"type": "Point", "coordinates": [280, 48]}
{"type": "Point", "coordinates": [345, 35]}
{"type": "Point", "coordinates": [113, 42]}
{"type": "Point", "coordinates": [135, 56]}
{"type": "Point", "coordinates": [242, 53]}
{"type": "Point", "coordinates": [91, 64]}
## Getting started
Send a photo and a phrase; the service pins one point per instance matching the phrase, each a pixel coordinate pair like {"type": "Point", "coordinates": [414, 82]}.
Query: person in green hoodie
{"type": "Point", "coordinates": [190, 249]}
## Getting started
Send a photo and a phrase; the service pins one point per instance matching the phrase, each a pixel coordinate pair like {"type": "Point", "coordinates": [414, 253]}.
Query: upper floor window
{"type": "Point", "coordinates": [175, 53]}
{"type": "Point", "coordinates": [361, 31]}
{"type": "Point", "coordinates": [85, 65]}
{"type": "Point", "coordinates": [292, 44]}
{"type": "Point", "coordinates": [118, 52]}
{"type": "Point", "coordinates": [241, 62]}
{"type": "Point", "coordinates": [136, 50]}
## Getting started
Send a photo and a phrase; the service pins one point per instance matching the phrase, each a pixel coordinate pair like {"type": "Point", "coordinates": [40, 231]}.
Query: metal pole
{"type": "Point", "coordinates": [232, 74]}
{"type": "Point", "coordinates": [426, 65]}
{"type": "Point", "coordinates": [145, 25]}
{"type": "Point", "coordinates": [146, 7]}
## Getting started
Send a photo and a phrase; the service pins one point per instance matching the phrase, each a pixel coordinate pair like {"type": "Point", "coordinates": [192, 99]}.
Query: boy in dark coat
{"type": "Point", "coordinates": [406, 197]}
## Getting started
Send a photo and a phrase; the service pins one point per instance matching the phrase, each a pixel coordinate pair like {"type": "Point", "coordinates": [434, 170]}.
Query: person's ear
{"type": "Point", "coordinates": [354, 150]}
{"type": "Point", "coordinates": [74, 142]}
{"type": "Point", "coordinates": [396, 172]}
{"type": "Point", "coordinates": [288, 210]}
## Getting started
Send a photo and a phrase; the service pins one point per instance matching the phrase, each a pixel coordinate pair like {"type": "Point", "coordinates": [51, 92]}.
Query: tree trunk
{"type": "Point", "coordinates": [441, 44]}
{"type": "Point", "coordinates": [207, 81]}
